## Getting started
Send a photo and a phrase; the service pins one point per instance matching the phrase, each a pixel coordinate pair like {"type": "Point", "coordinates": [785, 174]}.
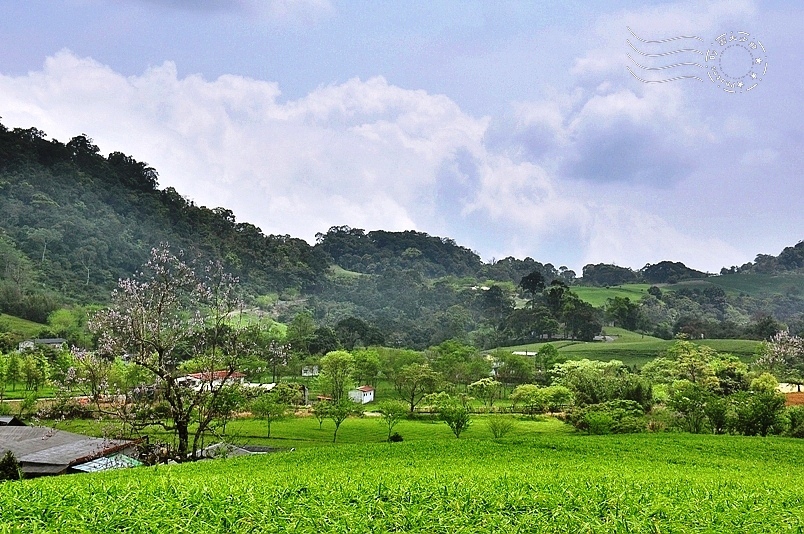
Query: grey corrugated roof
{"type": "Point", "coordinates": [47, 450]}
{"type": "Point", "coordinates": [118, 461]}
{"type": "Point", "coordinates": [10, 420]}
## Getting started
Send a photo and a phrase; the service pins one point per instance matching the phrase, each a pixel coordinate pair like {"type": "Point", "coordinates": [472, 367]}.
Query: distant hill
{"type": "Point", "coordinates": [72, 222]}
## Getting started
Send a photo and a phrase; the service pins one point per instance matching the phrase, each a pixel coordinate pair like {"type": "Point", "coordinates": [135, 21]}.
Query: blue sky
{"type": "Point", "coordinates": [512, 127]}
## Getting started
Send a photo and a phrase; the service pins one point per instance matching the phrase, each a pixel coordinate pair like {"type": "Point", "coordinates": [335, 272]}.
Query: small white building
{"type": "Point", "coordinates": [309, 370]}
{"type": "Point", "coordinates": [362, 395]}
{"type": "Point", "coordinates": [55, 343]}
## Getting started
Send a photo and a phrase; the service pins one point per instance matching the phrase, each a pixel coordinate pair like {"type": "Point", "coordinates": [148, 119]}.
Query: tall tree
{"type": "Point", "coordinates": [414, 381]}
{"type": "Point", "coordinates": [168, 313]}
{"type": "Point", "coordinates": [533, 283]}
{"type": "Point", "coordinates": [337, 368]}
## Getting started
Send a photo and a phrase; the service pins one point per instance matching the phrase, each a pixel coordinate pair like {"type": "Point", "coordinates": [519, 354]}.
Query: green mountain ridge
{"type": "Point", "coordinates": [73, 222]}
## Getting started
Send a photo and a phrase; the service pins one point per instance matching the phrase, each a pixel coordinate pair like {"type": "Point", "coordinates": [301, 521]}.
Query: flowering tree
{"type": "Point", "coordinates": [168, 313]}
{"type": "Point", "coordinates": [783, 356]}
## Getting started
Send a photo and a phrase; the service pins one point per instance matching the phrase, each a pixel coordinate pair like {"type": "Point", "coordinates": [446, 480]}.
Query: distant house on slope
{"type": "Point", "coordinates": [56, 343]}
{"type": "Point", "coordinates": [309, 370]}
{"type": "Point", "coordinates": [362, 395]}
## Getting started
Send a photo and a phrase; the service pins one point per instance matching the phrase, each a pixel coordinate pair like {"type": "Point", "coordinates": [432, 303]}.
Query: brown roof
{"type": "Point", "coordinates": [217, 375]}
{"type": "Point", "coordinates": [366, 389]}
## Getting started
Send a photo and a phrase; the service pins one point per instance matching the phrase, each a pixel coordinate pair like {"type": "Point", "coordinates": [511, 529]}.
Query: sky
{"type": "Point", "coordinates": [516, 128]}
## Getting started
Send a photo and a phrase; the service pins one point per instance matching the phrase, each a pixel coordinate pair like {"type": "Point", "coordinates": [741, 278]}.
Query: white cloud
{"type": "Point", "coordinates": [373, 155]}
{"type": "Point", "coordinates": [363, 153]}
{"type": "Point", "coordinates": [630, 237]}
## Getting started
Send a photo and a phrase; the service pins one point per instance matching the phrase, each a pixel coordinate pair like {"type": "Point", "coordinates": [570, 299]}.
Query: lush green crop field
{"type": "Point", "coordinates": [541, 483]}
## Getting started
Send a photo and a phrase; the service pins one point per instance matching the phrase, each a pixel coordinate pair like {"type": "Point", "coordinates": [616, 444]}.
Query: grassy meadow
{"type": "Point", "coordinates": [597, 296]}
{"type": "Point", "coordinates": [538, 482]}
{"type": "Point", "coordinates": [28, 329]}
{"type": "Point", "coordinates": [752, 284]}
{"type": "Point", "coordinates": [637, 349]}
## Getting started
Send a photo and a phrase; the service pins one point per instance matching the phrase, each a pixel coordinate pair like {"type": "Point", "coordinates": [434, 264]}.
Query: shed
{"type": "Point", "coordinates": [362, 395]}
{"type": "Point", "coordinates": [10, 420]}
{"type": "Point", "coordinates": [46, 451]}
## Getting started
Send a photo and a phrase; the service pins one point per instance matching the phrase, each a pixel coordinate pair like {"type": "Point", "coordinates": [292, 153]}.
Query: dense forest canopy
{"type": "Point", "coordinates": [73, 222]}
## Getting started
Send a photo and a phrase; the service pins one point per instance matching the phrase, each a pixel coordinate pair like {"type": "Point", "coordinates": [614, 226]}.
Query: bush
{"type": "Point", "coordinates": [5, 408]}
{"type": "Point", "coordinates": [758, 412]}
{"type": "Point", "coordinates": [795, 421]}
{"type": "Point", "coordinates": [618, 417]}
{"type": "Point", "coordinates": [598, 422]}
{"type": "Point", "coordinates": [500, 426]}
{"type": "Point", "coordinates": [9, 467]}
{"type": "Point", "coordinates": [396, 437]}
{"type": "Point", "coordinates": [660, 419]}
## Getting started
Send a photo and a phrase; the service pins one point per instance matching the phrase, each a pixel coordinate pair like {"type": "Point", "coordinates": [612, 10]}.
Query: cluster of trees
{"type": "Point", "coordinates": [552, 308]}
{"type": "Point", "coordinates": [75, 222]}
{"type": "Point", "coordinates": [790, 259]}
{"type": "Point", "coordinates": [665, 272]}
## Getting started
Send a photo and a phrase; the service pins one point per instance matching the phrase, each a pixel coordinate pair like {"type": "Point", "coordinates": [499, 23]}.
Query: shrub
{"type": "Point", "coordinates": [396, 437]}
{"type": "Point", "coordinates": [619, 417]}
{"type": "Point", "coordinates": [598, 422]}
{"type": "Point", "coordinates": [758, 412]}
{"type": "Point", "coordinates": [500, 426]}
{"type": "Point", "coordinates": [660, 419]}
{"type": "Point", "coordinates": [5, 408]}
{"type": "Point", "coordinates": [795, 421]}
{"type": "Point", "coordinates": [9, 467]}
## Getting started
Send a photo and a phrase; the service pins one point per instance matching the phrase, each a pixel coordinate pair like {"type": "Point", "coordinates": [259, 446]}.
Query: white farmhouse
{"type": "Point", "coordinates": [362, 395]}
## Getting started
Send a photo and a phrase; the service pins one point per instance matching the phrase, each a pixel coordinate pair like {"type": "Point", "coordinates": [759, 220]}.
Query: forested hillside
{"type": "Point", "coordinates": [75, 221]}
{"type": "Point", "coordinates": [72, 222]}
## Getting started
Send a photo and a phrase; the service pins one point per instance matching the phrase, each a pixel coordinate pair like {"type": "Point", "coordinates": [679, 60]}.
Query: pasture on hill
{"type": "Point", "coordinates": [597, 296]}
{"type": "Point", "coordinates": [28, 329]}
{"type": "Point", "coordinates": [635, 349]}
{"type": "Point", "coordinates": [539, 483]}
{"type": "Point", "coordinates": [751, 284]}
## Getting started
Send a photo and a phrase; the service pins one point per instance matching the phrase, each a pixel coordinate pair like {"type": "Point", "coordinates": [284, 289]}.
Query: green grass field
{"type": "Point", "coordinates": [635, 349]}
{"type": "Point", "coordinates": [551, 482]}
{"type": "Point", "coordinates": [733, 284]}
{"type": "Point", "coordinates": [752, 284]}
{"type": "Point", "coordinates": [303, 431]}
{"type": "Point", "coordinates": [9, 323]}
{"type": "Point", "coordinates": [597, 296]}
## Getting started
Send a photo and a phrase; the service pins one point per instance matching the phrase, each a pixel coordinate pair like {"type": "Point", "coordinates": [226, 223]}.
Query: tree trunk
{"type": "Point", "coordinates": [184, 437]}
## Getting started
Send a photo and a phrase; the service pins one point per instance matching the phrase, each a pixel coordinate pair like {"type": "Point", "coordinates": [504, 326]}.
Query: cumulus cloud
{"type": "Point", "coordinates": [373, 155]}
{"type": "Point", "coordinates": [364, 153]}
{"type": "Point", "coordinates": [632, 237]}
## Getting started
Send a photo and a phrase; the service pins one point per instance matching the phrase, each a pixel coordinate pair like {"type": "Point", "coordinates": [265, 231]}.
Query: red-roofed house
{"type": "Point", "coordinates": [362, 395]}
